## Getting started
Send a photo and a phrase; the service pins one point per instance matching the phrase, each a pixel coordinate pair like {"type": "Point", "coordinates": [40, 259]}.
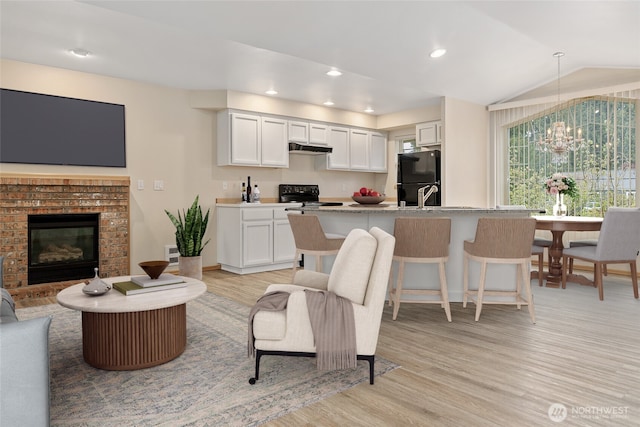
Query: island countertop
{"type": "Point", "coordinates": [386, 209]}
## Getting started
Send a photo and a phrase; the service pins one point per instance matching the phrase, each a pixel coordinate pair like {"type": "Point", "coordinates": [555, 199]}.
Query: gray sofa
{"type": "Point", "coordinates": [24, 366]}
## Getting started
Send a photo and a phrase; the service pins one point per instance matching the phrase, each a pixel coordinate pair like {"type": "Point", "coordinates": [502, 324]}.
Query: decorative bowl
{"type": "Point", "coordinates": [154, 268]}
{"type": "Point", "coordinates": [369, 200]}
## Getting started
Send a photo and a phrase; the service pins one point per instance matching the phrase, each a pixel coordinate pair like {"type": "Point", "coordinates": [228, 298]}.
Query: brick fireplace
{"type": "Point", "coordinates": [34, 194]}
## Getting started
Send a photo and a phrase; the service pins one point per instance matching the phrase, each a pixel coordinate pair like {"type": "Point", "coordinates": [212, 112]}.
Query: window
{"type": "Point", "coordinates": [604, 167]}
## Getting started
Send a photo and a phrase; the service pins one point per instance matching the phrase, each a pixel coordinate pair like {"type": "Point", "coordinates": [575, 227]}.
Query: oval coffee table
{"type": "Point", "coordinates": [132, 332]}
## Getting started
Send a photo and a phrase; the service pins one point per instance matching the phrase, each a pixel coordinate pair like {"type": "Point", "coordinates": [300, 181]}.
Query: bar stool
{"type": "Point", "coordinates": [421, 240]}
{"type": "Point", "coordinates": [501, 241]}
{"type": "Point", "coordinates": [311, 239]}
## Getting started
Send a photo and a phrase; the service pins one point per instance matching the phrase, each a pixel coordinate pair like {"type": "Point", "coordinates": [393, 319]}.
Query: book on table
{"type": "Point", "coordinates": [163, 279]}
{"type": "Point", "coordinates": [131, 288]}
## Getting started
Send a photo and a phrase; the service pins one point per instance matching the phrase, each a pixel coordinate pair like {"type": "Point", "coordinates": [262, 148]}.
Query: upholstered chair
{"type": "Point", "coordinates": [618, 243]}
{"type": "Point", "coordinates": [311, 239]}
{"type": "Point", "coordinates": [500, 241]}
{"type": "Point", "coordinates": [360, 274]}
{"type": "Point", "coordinates": [426, 241]}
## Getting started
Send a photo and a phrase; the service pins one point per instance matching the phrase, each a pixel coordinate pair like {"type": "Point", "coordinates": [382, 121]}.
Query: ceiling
{"type": "Point", "coordinates": [496, 50]}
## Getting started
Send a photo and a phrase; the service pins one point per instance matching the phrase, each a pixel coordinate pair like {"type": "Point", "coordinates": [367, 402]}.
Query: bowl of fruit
{"type": "Point", "coordinates": [368, 196]}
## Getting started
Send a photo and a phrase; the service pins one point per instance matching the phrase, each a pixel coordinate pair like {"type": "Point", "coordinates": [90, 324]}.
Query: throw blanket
{"type": "Point", "coordinates": [334, 330]}
{"type": "Point", "coordinates": [271, 301]}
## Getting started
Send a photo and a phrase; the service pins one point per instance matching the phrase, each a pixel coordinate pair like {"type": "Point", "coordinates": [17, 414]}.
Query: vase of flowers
{"type": "Point", "coordinates": [559, 185]}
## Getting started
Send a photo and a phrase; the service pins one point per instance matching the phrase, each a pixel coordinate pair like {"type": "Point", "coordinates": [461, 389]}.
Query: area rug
{"type": "Point", "coordinates": [206, 386]}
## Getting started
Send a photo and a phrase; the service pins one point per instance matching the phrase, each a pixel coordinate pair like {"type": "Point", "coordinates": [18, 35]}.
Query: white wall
{"type": "Point", "coordinates": [169, 140]}
{"type": "Point", "coordinates": [465, 154]}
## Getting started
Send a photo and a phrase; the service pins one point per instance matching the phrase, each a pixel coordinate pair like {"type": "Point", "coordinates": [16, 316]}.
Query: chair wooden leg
{"type": "Point", "coordinates": [398, 293]}
{"type": "Point", "coordinates": [540, 267]}
{"type": "Point", "coordinates": [597, 277]}
{"type": "Point", "coordinates": [483, 277]}
{"type": "Point", "coordinates": [570, 266]}
{"type": "Point", "coordinates": [519, 270]}
{"type": "Point", "coordinates": [465, 280]}
{"type": "Point", "coordinates": [634, 278]}
{"type": "Point", "coordinates": [444, 290]}
{"type": "Point", "coordinates": [390, 286]}
{"type": "Point", "coordinates": [528, 293]}
{"type": "Point", "coordinates": [295, 265]}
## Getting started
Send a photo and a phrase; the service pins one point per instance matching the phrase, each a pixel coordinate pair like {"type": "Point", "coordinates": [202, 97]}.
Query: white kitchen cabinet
{"type": "Point", "coordinates": [378, 152]}
{"type": "Point", "coordinates": [359, 141]}
{"type": "Point", "coordinates": [298, 131]}
{"type": "Point", "coordinates": [275, 148]}
{"type": "Point", "coordinates": [251, 140]}
{"type": "Point", "coordinates": [254, 237]}
{"type": "Point", "coordinates": [318, 133]}
{"type": "Point", "coordinates": [339, 141]}
{"type": "Point", "coordinates": [428, 133]}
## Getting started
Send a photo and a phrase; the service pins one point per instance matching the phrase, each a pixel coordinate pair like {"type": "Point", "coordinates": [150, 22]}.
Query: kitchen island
{"type": "Point", "coordinates": [342, 219]}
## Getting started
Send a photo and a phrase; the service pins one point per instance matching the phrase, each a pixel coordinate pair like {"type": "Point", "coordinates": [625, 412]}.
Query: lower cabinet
{"type": "Point", "coordinates": [254, 238]}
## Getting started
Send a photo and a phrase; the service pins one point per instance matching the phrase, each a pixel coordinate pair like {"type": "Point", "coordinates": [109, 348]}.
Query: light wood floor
{"type": "Point", "coordinates": [500, 371]}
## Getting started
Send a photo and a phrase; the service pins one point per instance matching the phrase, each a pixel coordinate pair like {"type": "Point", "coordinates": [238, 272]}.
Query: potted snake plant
{"type": "Point", "coordinates": [190, 229]}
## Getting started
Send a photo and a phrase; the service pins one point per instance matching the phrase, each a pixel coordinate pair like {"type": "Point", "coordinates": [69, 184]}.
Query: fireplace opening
{"type": "Point", "coordinates": [62, 247]}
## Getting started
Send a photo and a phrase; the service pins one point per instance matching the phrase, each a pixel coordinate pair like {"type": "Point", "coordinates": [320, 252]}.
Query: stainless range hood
{"type": "Point", "coordinates": [298, 148]}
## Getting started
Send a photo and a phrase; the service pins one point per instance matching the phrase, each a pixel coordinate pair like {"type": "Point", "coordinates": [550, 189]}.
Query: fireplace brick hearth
{"type": "Point", "coordinates": [31, 194]}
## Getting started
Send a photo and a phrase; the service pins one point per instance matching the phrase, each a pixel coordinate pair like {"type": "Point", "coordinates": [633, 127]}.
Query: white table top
{"type": "Point", "coordinates": [115, 302]}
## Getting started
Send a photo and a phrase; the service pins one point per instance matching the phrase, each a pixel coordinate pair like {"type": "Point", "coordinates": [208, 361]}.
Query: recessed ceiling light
{"type": "Point", "coordinates": [79, 52]}
{"type": "Point", "coordinates": [328, 103]}
{"type": "Point", "coordinates": [271, 92]}
{"type": "Point", "coordinates": [369, 110]}
{"type": "Point", "coordinates": [438, 53]}
{"type": "Point", "coordinates": [334, 73]}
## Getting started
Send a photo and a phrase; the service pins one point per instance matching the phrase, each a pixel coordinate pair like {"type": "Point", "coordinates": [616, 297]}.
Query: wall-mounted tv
{"type": "Point", "coordinates": [54, 130]}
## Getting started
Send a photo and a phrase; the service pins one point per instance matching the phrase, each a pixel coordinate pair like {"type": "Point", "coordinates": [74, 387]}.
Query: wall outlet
{"type": "Point", "coordinates": [158, 185]}
{"type": "Point", "coordinates": [141, 184]}
{"type": "Point", "coordinates": [225, 185]}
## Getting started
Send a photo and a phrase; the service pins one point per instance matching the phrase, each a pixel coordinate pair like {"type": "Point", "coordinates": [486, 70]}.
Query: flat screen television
{"type": "Point", "coordinates": [54, 130]}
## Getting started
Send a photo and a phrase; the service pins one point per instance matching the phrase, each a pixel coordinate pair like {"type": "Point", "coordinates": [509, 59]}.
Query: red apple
{"type": "Point", "coordinates": [364, 191]}
{"type": "Point", "coordinates": [356, 194]}
{"type": "Point", "coordinates": [375, 194]}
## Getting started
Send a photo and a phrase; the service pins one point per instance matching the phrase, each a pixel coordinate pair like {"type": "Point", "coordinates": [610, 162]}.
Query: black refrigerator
{"type": "Point", "coordinates": [416, 170]}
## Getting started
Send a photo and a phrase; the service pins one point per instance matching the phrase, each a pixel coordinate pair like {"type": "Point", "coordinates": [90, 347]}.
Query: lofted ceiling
{"type": "Point", "coordinates": [496, 50]}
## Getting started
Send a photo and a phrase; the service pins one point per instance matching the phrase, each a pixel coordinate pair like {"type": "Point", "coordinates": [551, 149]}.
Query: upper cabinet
{"type": "Point", "coordinates": [252, 140]}
{"type": "Point", "coordinates": [338, 139]}
{"type": "Point", "coordinates": [355, 150]}
{"type": "Point", "coordinates": [359, 149]}
{"type": "Point", "coordinates": [248, 139]}
{"type": "Point", "coordinates": [318, 133]}
{"type": "Point", "coordinates": [429, 133]}
{"type": "Point", "coordinates": [298, 131]}
{"type": "Point", "coordinates": [378, 152]}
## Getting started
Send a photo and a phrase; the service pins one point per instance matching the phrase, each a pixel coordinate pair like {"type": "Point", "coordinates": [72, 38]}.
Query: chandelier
{"type": "Point", "coordinates": [558, 139]}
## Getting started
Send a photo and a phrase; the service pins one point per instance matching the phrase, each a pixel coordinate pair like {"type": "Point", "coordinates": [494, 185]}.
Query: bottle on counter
{"type": "Point", "coordinates": [244, 193]}
{"type": "Point", "coordinates": [249, 194]}
{"type": "Point", "coordinates": [256, 194]}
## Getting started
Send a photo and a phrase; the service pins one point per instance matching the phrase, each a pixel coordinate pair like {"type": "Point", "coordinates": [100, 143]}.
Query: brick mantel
{"type": "Point", "coordinates": [29, 194]}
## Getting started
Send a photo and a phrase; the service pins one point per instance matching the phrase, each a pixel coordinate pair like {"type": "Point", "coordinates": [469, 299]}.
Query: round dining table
{"type": "Point", "coordinates": [558, 225]}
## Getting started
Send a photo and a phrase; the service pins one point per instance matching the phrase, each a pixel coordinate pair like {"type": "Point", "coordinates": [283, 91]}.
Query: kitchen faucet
{"type": "Point", "coordinates": [423, 197]}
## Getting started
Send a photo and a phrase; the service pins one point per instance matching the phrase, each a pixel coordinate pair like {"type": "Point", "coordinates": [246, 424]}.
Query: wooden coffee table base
{"type": "Point", "coordinates": [134, 340]}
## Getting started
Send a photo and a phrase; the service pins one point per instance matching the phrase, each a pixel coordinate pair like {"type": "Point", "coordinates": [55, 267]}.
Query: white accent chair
{"type": "Point", "coordinates": [618, 243]}
{"type": "Point", "coordinates": [360, 273]}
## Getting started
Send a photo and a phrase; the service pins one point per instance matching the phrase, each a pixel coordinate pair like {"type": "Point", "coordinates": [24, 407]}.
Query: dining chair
{"type": "Point", "coordinates": [539, 252]}
{"type": "Point", "coordinates": [310, 239]}
{"type": "Point", "coordinates": [426, 241]}
{"type": "Point", "coordinates": [500, 241]}
{"type": "Point", "coordinates": [618, 243]}
{"type": "Point", "coordinates": [580, 243]}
